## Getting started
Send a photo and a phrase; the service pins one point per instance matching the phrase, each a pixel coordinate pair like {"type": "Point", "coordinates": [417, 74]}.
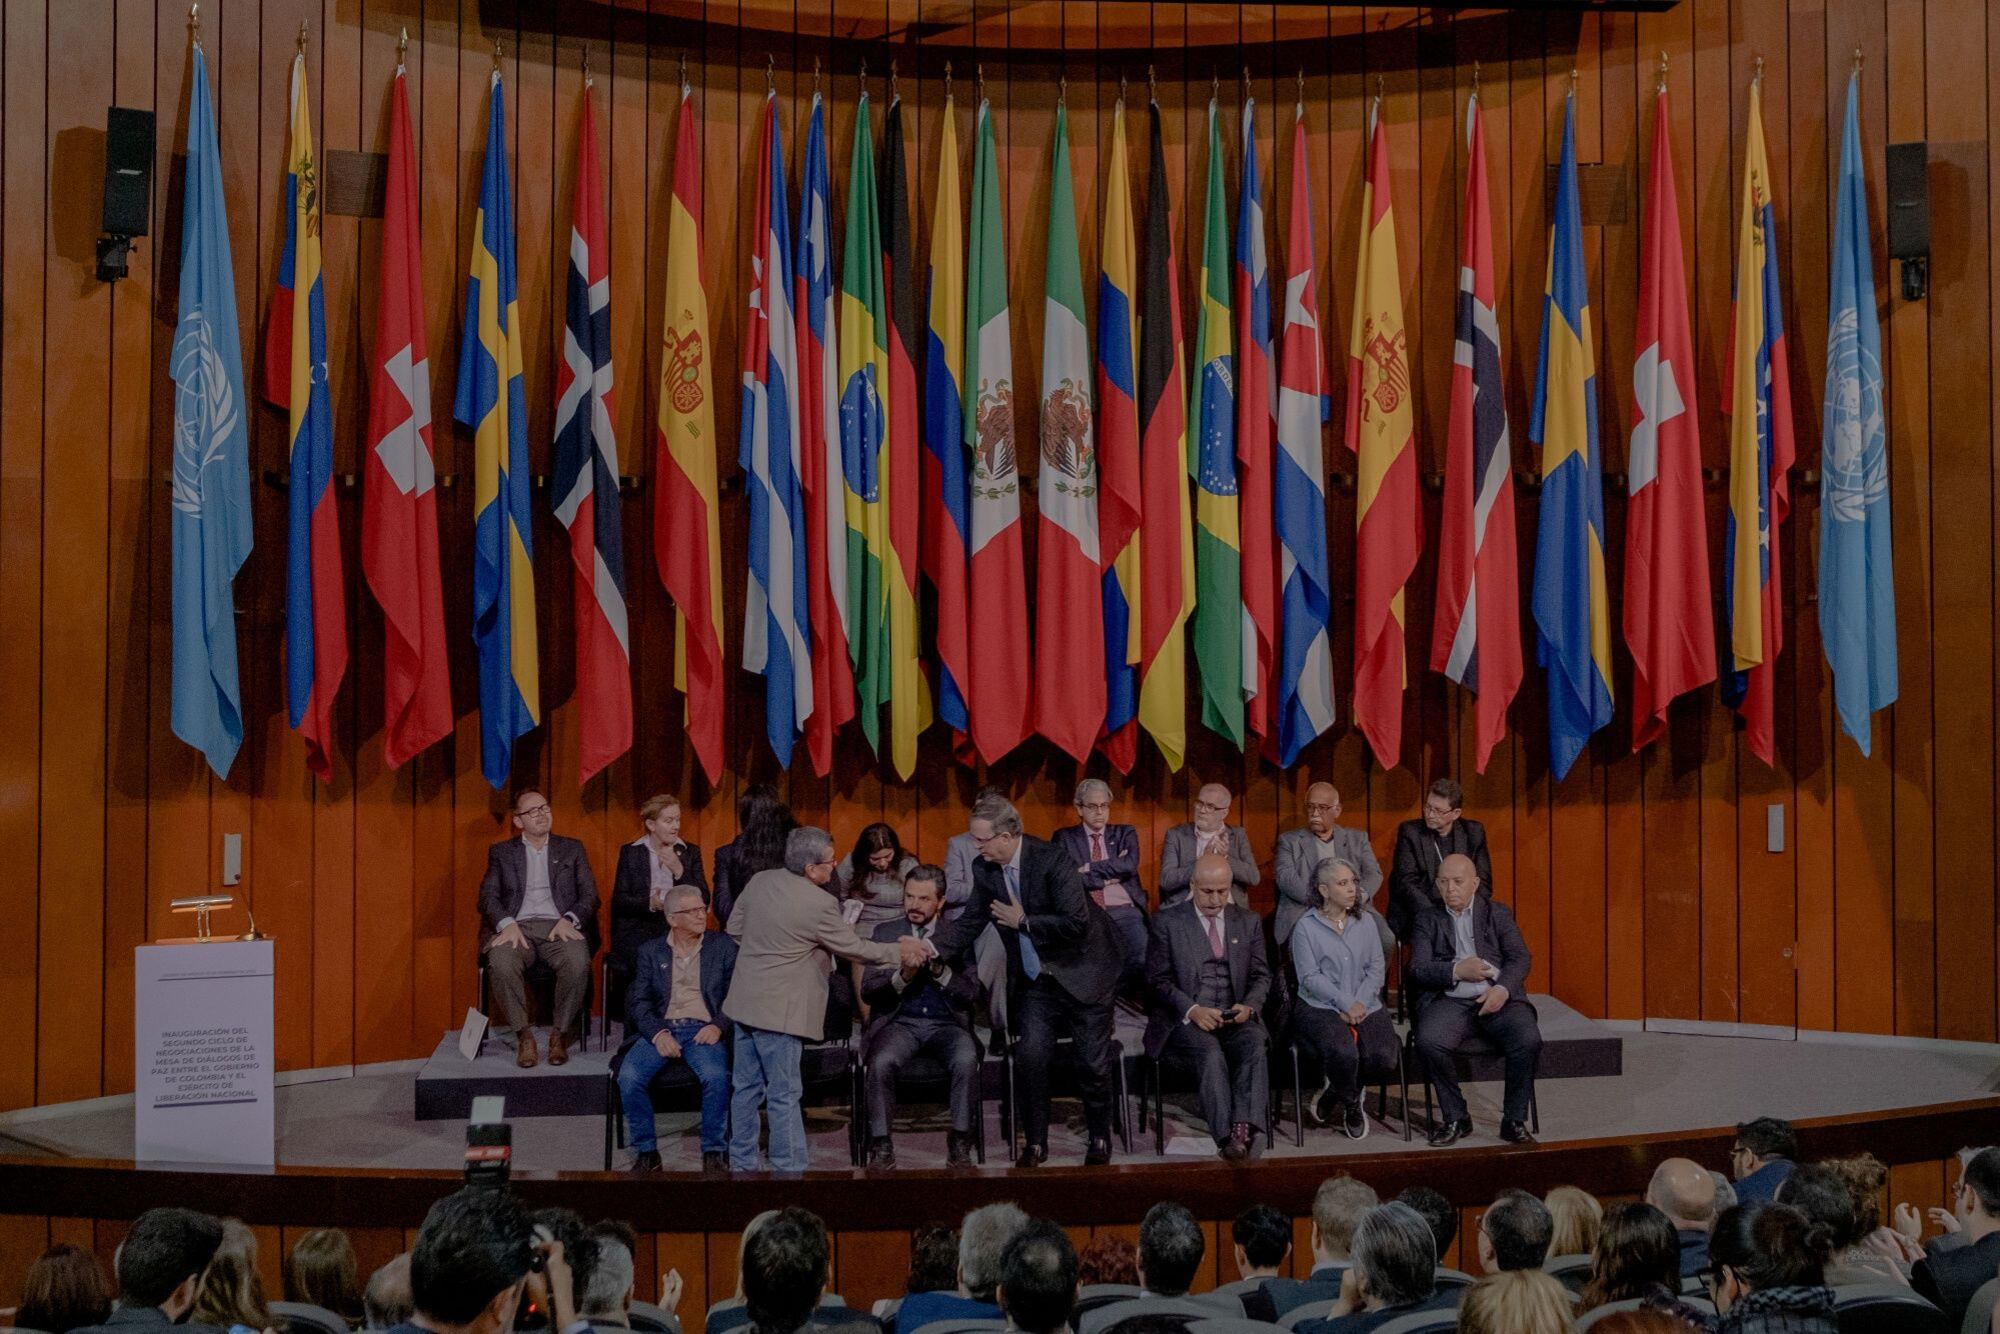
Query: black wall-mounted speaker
{"type": "Point", "coordinates": [128, 171]}
{"type": "Point", "coordinates": [1909, 202]}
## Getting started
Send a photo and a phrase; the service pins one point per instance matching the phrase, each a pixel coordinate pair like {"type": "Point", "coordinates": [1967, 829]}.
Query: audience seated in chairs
{"type": "Point", "coordinates": [1261, 1240]}
{"type": "Point", "coordinates": [784, 1272]}
{"type": "Point", "coordinates": [1638, 1259]}
{"type": "Point", "coordinates": [386, 1301]}
{"type": "Point", "coordinates": [1766, 1272]}
{"type": "Point", "coordinates": [1576, 1216]}
{"type": "Point", "coordinates": [159, 1269]}
{"type": "Point", "coordinates": [1394, 1274]}
{"type": "Point", "coordinates": [1340, 967]}
{"type": "Point", "coordinates": [1950, 1277]}
{"type": "Point", "coordinates": [1880, 1253]}
{"type": "Point", "coordinates": [673, 1012]}
{"type": "Point", "coordinates": [1821, 1193]}
{"type": "Point", "coordinates": [65, 1289]}
{"type": "Point", "coordinates": [472, 1267]}
{"type": "Point", "coordinates": [933, 1268]}
{"type": "Point", "coordinates": [605, 1293]}
{"type": "Point", "coordinates": [1171, 1247]}
{"type": "Point", "coordinates": [1038, 1284]}
{"type": "Point", "coordinates": [983, 1236]}
{"type": "Point", "coordinates": [322, 1271]}
{"type": "Point", "coordinates": [1442, 1215]}
{"type": "Point", "coordinates": [1684, 1191]}
{"type": "Point", "coordinates": [1514, 1233]}
{"type": "Point", "coordinates": [1515, 1301]}
{"type": "Point", "coordinates": [1762, 1157]}
{"type": "Point", "coordinates": [1338, 1208]}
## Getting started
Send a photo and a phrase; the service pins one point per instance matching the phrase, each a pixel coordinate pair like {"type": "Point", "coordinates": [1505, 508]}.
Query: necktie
{"type": "Point", "coordinates": [1031, 962]}
{"type": "Point", "coordinates": [1214, 936]}
{"type": "Point", "coordinates": [1097, 845]}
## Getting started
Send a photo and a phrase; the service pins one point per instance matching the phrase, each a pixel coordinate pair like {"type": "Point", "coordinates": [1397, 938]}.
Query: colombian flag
{"type": "Point", "coordinates": [491, 401]}
{"type": "Point", "coordinates": [1118, 496]}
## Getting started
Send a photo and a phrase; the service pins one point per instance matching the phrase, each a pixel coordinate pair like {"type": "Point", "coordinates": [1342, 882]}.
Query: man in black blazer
{"type": "Point", "coordinates": [924, 1011]}
{"type": "Point", "coordinates": [1062, 968]}
{"type": "Point", "coordinates": [1210, 978]}
{"type": "Point", "coordinates": [1469, 974]}
{"type": "Point", "coordinates": [1107, 859]}
{"type": "Point", "coordinates": [649, 866]}
{"type": "Point", "coordinates": [673, 1012]}
{"type": "Point", "coordinates": [1421, 847]}
{"type": "Point", "coordinates": [538, 900]}
{"type": "Point", "coordinates": [1950, 1278]}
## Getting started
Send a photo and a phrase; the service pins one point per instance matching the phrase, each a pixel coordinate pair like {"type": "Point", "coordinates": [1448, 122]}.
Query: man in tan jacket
{"type": "Point", "coordinates": [788, 930]}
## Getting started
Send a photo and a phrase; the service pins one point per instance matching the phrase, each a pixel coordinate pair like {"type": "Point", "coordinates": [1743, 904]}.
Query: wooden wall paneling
{"type": "Point", "coordinates": [687, 1254]}
{"type": "Point", "coordinates": [1962, 501]}
{"type": "Point", "coordinates": [722, 1267]}
{"type": "Point", "coordinates": [23, 1237]}
{"type": "Point", "coordinates": [869, 1266]}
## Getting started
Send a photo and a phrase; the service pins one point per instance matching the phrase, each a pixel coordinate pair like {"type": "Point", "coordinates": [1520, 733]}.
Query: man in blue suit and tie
{"type": "Point", "coordinates": [1107, 861]}
{"type": "Point", "coordinates": [673, 1012]}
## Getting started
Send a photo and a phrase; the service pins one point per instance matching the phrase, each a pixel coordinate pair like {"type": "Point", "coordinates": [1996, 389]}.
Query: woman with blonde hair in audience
{"type": "Point", "coordinates": [1578, 1217]}
{"type": "Point", "coordinates": [231, 1295]}
{"type": "Point", "coordinates": [1515, 1301]}
{"type": "Point", "coordinates": [322, 1271]}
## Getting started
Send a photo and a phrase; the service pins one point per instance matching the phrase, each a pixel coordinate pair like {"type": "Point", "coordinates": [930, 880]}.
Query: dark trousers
{"type": "Point", "coordinates": [902, 1039]}
{"type": "Point", "coordinates": [1232, 1073]}
{"type": "Point", "coordinates": [1040, 1011]}
{"type": "Point", "coordinates": [507, 967]}
{"type": "Point", "coordinates": [1445, 1024]}
{"type": "Point", "coordinates": [1346, 1052]}
{"type": "Point", "coordinates": [1130, 924]}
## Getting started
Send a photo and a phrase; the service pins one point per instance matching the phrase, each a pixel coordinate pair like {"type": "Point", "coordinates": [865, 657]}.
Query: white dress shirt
{"type": "Point", "coordinates": [1464, 948]}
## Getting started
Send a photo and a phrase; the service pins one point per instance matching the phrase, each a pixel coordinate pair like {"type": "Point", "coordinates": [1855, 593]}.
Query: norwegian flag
{"type": "Point", "coordinates": [585, 486]}
{"type": "Point", "coordinates": [399, 533]}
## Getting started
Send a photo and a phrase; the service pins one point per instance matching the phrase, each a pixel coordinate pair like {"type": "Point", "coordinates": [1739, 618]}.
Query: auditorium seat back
{"type": "Point", "coordinates": [1887, 1308]}
{"type": "Point", "coordinates": [1230, 1325]}
{"type": "Point", "coordinates": [1298, 1315]}
{"type": "Point", "coordinates": [305, 1318]}
{"type": "Point", "coordinates": [961, 1326]}
{"type": "Point", "coordinates": [1979, 1315]}
{"type": "Point", "coordinates": [1421, 1322]}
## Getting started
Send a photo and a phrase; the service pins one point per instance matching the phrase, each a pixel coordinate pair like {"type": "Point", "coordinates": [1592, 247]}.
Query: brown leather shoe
{"type": "Point", "coordinates": [558, 1047]}
{"type": "Point", "coordinates": [524, 1050]}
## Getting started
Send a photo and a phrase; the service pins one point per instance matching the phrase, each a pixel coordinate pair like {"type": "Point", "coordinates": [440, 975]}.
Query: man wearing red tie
{"type": "Point", "coordinates": [1107, 859]}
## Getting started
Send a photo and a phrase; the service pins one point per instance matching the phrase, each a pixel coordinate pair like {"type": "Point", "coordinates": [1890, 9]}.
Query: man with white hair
{"type": "Point", "coordinates": [1107, 859]}
{"type": "Point", "coordinates": [1300, 852]}
{"type": "Point", "coordinates": [982, 1240]}
{"type": "Point", "coordinates": [1394, 1274]}
{"type": "Point", "coordinates": [1209, 832]}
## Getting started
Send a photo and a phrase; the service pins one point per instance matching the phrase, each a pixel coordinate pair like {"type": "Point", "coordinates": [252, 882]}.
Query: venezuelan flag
{"type": "Point", "coordinates": [492, 402]}
{"type": "Point", "coordinates": [1572, 608]}
{"type": "Point", "coordinates": [1118, 496]}
{"type": "Point", "coordinates": [864, 376]}
{"type": "Point", "coordinates": [1219, 623]}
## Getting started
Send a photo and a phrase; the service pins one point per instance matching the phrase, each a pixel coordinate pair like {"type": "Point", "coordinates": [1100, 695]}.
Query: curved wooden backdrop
{"type": "Point", "coordinates": [1642, 882]}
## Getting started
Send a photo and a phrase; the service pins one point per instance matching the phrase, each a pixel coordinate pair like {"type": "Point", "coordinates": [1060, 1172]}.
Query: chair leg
{"type": "Point", "coordinates": [1403, 1077]}
{"type": "Point", "coordinates": [857, 1098]}
{"type": "Point", "coordinates": [1298, 1101]}
{"type": "Point", "coordinates": [1150, 1077]}
{"type": "Point", "coordinates": [1007, 1108]}
{"type": "Point", "coordinates": [1122, 1095]}
{"type": "Point", "coordinates": [611, 1106]}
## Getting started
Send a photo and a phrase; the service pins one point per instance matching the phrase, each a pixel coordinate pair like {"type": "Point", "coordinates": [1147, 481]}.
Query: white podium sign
{"type": "Point", "coordinates": [204, 1049]}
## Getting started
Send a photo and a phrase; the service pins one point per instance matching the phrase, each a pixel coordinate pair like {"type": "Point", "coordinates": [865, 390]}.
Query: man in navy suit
{"type": "Point", "coordinates": [538, 901]}
{"type": "Point", "coordinates": [922, 1011]}
{"type": "Point", "coordinates": [1107, 860]}
{"type": "Point", "coordinates": [673, 1012]}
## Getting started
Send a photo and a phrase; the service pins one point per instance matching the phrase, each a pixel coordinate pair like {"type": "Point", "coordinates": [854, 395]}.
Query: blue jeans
{"type": "Point", "coordinates": [710, 1065]}
{"type": "Point", "coordinates": [767, 1075]}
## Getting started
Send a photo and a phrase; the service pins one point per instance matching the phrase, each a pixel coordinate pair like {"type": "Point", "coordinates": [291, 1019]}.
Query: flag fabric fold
{"type": "Point", "coordinates": [1304, 706]}
{"type": "Point", "coordinates": [1120, 497]}
{"type": "Point", "coordinates": [909, 693]}
{"type": "Point", "coordinates": [1857, 588]}
{"type": "Point", "coordinates": [997, 635]}
{"type": "Point", "coordinates": [491, 400]}
{"type": "Point", "coordinates": [946, 530]}
{"type": "Point", "coordinates": [1476, 632]}
{"type": "Point", "coordinates": [1256, 396]}
{"type": "Point", "coordinates": [687, 538]}
{"type": "Point", "coordinates": [1220, 624]}
{"type": "Point", "coordinates": [1166, 538]}
{"type": "Point", "coordinates": [1757, 389]}
{"type": "Point", "coordinates": [1381, 431]}
{"type": "Point", "coordinates": [399, 533]}
{"type": "Point", "coordinates": [295, 378]}
{"type": "Point", "coordinates": [1070, 625]}
{"type": "Point", "coordinates": [1571, 605]}
{"type": "Point", "coordinates": [864, 426]}
{"type": "Point", "coordinates": [211, 479]}
{"type": "Point", "coordinates": [584, 485]}
{"type": "Point", "coordinates": [776, 614]}
{"type": "Point", "coordinates": [819, 451]}
{"type": "Point", "coordinates": [1669, 615]}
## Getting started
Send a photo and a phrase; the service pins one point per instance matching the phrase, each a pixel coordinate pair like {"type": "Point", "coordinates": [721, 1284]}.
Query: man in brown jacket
{"type": "Point", "coordinates": [788, 930]}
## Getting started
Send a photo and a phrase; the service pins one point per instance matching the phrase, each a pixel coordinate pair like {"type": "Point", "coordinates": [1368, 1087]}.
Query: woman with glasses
{"type": "Point", "coordinates": [1337, 957]}
{"type": "Point", "coordinates": [1767, 1272]}
{"type": "Point", "coordinates": [648, 867]}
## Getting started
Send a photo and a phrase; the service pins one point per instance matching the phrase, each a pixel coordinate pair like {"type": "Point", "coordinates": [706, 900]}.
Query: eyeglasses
{"type": "Point", "coordinates": [1201, 805]}
{"type": "Point", "coordinates": [532, 811]}
{"type": "Point", "coordinates": [692, 910]}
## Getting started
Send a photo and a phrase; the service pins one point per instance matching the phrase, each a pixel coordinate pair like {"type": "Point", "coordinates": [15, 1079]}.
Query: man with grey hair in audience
{"type": "Point", "coordinates": [1107, 859]}
{"type": "Point", "coordinates": [788, 930]}
{"type": "Point", "coordinates": [1338, 1208]}
{"type": "Point", "coordinates": [1394, 1274]}
{"type": "Point", "coordinates": [386, 1302]}
{"type": "Point", "coordinates": [982, 1240]}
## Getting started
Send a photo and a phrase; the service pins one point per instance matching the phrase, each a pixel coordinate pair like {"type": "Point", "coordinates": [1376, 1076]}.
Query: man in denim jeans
{"type": "Point", "coordinates": [788, 930]}
{"type": "Point", "coordinates": [673, 1012]}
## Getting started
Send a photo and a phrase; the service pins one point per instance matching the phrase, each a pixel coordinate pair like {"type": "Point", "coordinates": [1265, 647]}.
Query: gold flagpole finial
{"type": "Point", "coordinates": [402, 48]}
{"type": "Point", "coordinates": [1475, 78]}
{"type": "Point", "coordinates": [194, 24]}
{"type": "Point", "coordinates": [1662, 73]}
{"type": "Point", "coordinates": [1062, 91]}
{"type": "Point", "coordinates": [496, 56]}
{"type": "Point", "coordinates": [979, 79]}
{"type": "Point", "coordinates": [1152, 86]}
{"type": "Point", "coordinates": [1214, 86]}
{"type": "Point", "coordinates": [895, 94]}
{"type": "Point", "coordinates": [686, 87]}
{"type": "Point", "coordinates": [1378, 87]}
{"type": "Point", "coordinates": [815, 76]}
{"type": "Point", "coordinates": [302, 36]}
{"type": "Point", "coordinates": [864, 76]}
{"type": "Point", "coordinates": [770, 74]}
{"type": "Point", "coordinates": [1573, 76]}
{"type": "Point", "coordinates": [1246, 81]}
{"type": "Point", "coordinates": [1857, 60]}
{"type": "Point", "coordinates": [589, 79]}
{"type": "Point", "coordinates": [1757, 79]}
{"type": "Point", "coordinates": [1302, 87]}
{"type": "Point", "coordinates": [1121, 88]}
{"type": "Point", "coordinates": [947, 81]}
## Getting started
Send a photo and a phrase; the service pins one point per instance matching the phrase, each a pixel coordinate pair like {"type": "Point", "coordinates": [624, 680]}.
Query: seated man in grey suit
{"type": "Point", "coordinates": [1107, 857]}
{"type": "Point", "coordinates": [1209, 832]}
{"type": "Point", "coordinates": [921, 1011]}
{"type": "Point", "coordinates": [538, 901]}
{"type": "Point", "coordinates": [1300, 851]}
{"type": "Point", "coordinates": [1210, 979]}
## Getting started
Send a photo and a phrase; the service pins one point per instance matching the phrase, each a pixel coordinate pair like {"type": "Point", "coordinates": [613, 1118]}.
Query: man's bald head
{"type": "Point", "coordinates": [1212, 882]}
{"type": "Point", "coordinates": [1322, 809]}
{"type": "Point", "coordinates": [1684, 1191]}
{"type": "Point", "coordinates": [1457, 881]}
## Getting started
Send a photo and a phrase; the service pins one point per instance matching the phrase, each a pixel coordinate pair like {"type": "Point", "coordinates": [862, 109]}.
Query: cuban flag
{"type": "Point", "coordinates": [775, 611]}
{"type": "Point", "coordinates": [585, 487]}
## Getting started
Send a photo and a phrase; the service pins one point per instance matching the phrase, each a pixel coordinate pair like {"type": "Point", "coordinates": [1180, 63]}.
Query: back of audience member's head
{"type": "Point", "coordinates": [1108, 1259]}
{"type": "Point", "coordinates": [1725, 1191]}
{"type": "Point", "coordinates": [164, 1253]}
{"type": "Point", "coordinates": [1263, 1238]}
{"type": "Point", "coordinates": [1865, 1176]}
{"type": "Point", "coordinates": [1514, 1232]}
{"type": "Point", "coordinates": [1641, 1321]}
{"type": "Point", "coordinates": [607, 1290]}
{"type": "Point", "coordinates": [1684, 1191]}
{"type": "Point", "coordinates": [1577, 1216]}
{"type": "Point", "coordinates": [1038, 1275]}
{"type": "Point", "coordinates": [1637, 1252]}
{"type": "Point", "coordinates": [1439, 1212]}
{"type": "Point", "coordinates": [1170, 1249]}
{"type": "Point", "coordinates": [579, 1250]}
{"type": "Point", "coordinates": [784, 1271]}
{"type": "Point", "coordinates": [743, 1243]}
{"type": "Point", "coordinates": [65, 1289]}
{"type": "Point", "coordinates": [1981, 1182]}
{"type": "Point", "coordinates": [1515, 1301]}
{"type": "Point", "coordinates": [1338, 1208]}
{"type": "Point", "coordinates": [1395, 1255]}
{"type": "Point", "coordinates": [472, 1252]}
{"type": "Point", "coordinates": [933, 1261]}
{"type": "Point", "coordinates": [1821, 1194]}
{"type": "Point", "coordinates": [1770, 1246]}
{"type": "Point", "coordinates": [231, 1291]}
{"type": "Point", "coordinates": [386, 1301]}
{"type": "Point", "coordinates": [321, 1271]}
{"type": "Point", "coordinates": [983, 1235]}
{"type": "Point", "coordinates": [1767, 1137]}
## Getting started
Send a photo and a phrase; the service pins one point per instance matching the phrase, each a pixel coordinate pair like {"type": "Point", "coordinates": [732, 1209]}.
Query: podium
{"type": "Point", "coordinates": [203, 1046]}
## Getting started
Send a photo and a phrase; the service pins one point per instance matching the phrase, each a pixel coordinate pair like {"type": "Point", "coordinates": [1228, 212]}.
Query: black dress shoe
{"type": "Point", "coordinates": [1033, 1156]}
{"type": "Point", "coordinates": [648, 1161]}
{"type": "Point", "coordinates": [957, 1149]}
{"type": "Point", "coordinates": [881, 1153]}
{"type": "Point", "coordinates": [714, 1160]}
{"type": "Point", "coordinates": [1515, 1133]}
{"type": "Point", "coordinates": [1451, 1132]}
{"type": "Point", "coordinates": [1098, 1154]}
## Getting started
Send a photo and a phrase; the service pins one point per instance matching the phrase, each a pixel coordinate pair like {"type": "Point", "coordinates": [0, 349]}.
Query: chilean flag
{"type": "Point", "coordinates": [1669, 622]}
{"type": "Point", "coordinates": [585, 485]}
{"type": "Point", "coordinates": [1476, 633]}
{"type": "Point", "coordinates": [399, 534]}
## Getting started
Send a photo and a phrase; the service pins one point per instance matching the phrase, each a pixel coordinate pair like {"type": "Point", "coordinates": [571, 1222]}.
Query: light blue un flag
{"type": "Point", "coordinates": [1857, 591]}
{"type": "Point", "coordinates": [211, 484]}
